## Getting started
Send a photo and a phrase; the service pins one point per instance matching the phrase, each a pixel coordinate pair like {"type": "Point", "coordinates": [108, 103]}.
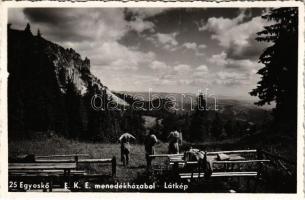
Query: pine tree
{"type": "Point", "coordinates": [38, 33]}
{"type": "Point", "coordinates": [229, 127]}
{"type": "Point", "coordinates": [201, 102]}
{"type": "Point", "coordinates": [199, 123]}
{"type": "Point", "coordinates": [72, 98]}
{"type": "Point", "coordinates": [217, 126]}
{"type": "Point", "coordinates": [279, 75]}
{"type": "Point", "coordinates": [28, 29]}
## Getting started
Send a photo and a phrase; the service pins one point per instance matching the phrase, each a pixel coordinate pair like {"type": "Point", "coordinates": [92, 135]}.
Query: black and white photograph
{"type": "Point", "coordinates": [154, 99]}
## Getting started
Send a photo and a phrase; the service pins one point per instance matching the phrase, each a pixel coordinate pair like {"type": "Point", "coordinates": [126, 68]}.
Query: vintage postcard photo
{"type": "Point", "coordinates": [152, 98]}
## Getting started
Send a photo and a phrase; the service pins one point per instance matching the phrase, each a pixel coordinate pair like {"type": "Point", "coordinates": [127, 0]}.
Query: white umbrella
{"type": "Point", "coordinates": [174, 134]}
{"type": "Point", "coordinates": [126, 136]}
{"type": "Point", "coordinates": [154, 139]}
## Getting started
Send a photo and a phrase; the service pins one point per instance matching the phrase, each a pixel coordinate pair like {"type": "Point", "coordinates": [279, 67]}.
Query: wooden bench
{"type": "Point", "coordinates": [62, 167]}
{"type": "Point", "coordinates": [74, 158]}
{"type": "Point", "coordinates": [218, 174]}
{"type": "Point", "coordinates": [45, 170]}
{"type": "Point", "coordinates": [31, 172]}
{"type": "Point", "coordinates": [239, 163]}
{"type": "Point", "coordinates": [165, 155]}
{"type": "Point", "coordinates": [224, 173]}
{"type": "Point", "coordinates": [71, 158]}
{"type": "Point", "coordinates": [159, 169]}
{"type": "Point", "coordinates": [42, 166]}
{"type": "Point", "coordinates": [60, 157]}
{"type": "Point", "coordinates": [234, 156]}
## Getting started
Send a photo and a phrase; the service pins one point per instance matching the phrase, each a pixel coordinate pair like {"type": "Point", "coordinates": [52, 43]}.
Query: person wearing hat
{"type": "Point", "coordinates": [174, 138]}
{"type": "Point", "coordinates": [125, 147]}
{"type": "Point", "coordinates": [149, 143]}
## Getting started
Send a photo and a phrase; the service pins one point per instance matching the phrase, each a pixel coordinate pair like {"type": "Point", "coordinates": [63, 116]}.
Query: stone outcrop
{"type": "Point", "coordinates": [49, 87]}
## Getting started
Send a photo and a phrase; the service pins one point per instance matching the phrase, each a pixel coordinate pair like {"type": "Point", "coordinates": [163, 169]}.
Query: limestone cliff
{"type": "Point", "coordinates": [49, 87]}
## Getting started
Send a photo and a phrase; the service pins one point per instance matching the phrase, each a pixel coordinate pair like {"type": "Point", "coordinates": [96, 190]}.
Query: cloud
{"type": "Point", "coordinates": [202, 68]}
{"type": "Point", "coordinates": [79, 24]}
{"type": "Point", "coordinates": [130, 48]}
{"type": "Point", "coordinates": [147, 12]}
{"type": "Point", "coordinates": [182, 68]}
{"type": "Point", "coordinates": [202, 46]}
{"type": "Point", "coordinates": [190, 45]}
{"type": "Point", "coordinates": [157, 65]}
{"type": "Point", "coordinates": [231, 78]}
{"type": "Point", "coordinates": [234, 71]}
{"type": "Point", "coordinates": [169, 39]}
{"type": "Point", "coordinates": [200, 71]}
{"type": "Point", "coordinates": [195, 47]}
{"type": "Point", "coordinates": [181, 74]}
{"type": "Point", "coordinates": [123, 58]}
{"type": "Point", "coordinates": [223, 60]}
{"type": "Point", "coordinates": [165, 40]}
{"type": "Point", "coordinates": [139, 25]}
{"type": "Point", "coordinates": [17, 18]}
{"type": "Point", "coordinates": [83, 24]}
{"type": "Point", "coordinates": [138, 18]}
{"type": "Point", "coordinates": [216, 24]}
{"type": "Point", "coordinates": [92, 32]}
{"type": "Point", "coordinates": [219, 59]}
{"type": "Point", "coordinates": [236, 35]}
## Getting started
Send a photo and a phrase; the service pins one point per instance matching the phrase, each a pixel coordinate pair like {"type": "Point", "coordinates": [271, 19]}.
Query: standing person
{"type": "Point", "coordinates": [174, 139]}
{"type": "Point", "coordinates": [125, 147]}
{"type": "Point", "coordinates": [180, 137]}
{"type": "Point", "coordinates": [149, 143]}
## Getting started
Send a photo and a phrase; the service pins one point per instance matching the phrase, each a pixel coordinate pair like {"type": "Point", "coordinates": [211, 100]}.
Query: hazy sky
{"type": "Point", "coordinates": [168, 50]}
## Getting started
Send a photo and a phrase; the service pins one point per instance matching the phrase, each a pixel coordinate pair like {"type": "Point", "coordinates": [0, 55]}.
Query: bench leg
{"type": "Point", "coordinates": [248, 184]}
{"type": "Point", "coordinates": [256, 183]}
{"type": "Point", "coordinates": [51, 184]}
{"type": "Point", "coordinates": [113, 166]}
{"type": "Point", "coordinates": [44, 182]}
{"type": "Point", "coordinates": [67, 176]}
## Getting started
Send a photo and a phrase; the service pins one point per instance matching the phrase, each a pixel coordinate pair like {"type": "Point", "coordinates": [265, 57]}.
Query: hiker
{"type": "Point", "coordinates": [125, 147]}
{"type": "Point", "coordinates": [149, 143]}
{"type": "Point", "coordinates": [205, 163]}
{"type": "Point", "coordinates": [174, 139]}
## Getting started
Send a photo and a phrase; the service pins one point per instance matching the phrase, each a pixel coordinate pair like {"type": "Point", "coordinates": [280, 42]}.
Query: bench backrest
{"type": "Point", "coordinates": [41, 166]}
{"type": "Point", "coordinates": [66, 162]}
{"type": "Point", "coordinates": [61, 156]}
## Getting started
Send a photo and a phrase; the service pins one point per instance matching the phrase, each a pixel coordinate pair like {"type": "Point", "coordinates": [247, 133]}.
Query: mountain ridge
{"type": "Point", "coordinates": [50, 87]}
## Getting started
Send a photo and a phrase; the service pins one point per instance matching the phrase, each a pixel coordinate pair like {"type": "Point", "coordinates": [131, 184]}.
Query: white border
{"type": "Point", "coordinates": [4, 194]}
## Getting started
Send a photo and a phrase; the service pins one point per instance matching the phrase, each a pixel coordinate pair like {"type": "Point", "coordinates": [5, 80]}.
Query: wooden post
{"type": "Point", "coordinates": [248, 184]}
{"type": "Point", "coordinates": [259, 169]}
{"type": "Point", "coordinates": [199, 167]}
{"type": "Point", "coordinates": [76, 161]}
{"type": "Point", "coordinates": [51, 184]}
{"type": "Point", "coordinates": [259, 164]}
{"type": "Point", "coordinates": [69, 178]}
{"type": "Point", "coordinates": [113, 165]}
{"type": "Point", "coordinates": [259, 154]}
{"type": "Point", "coordinates": [44, 181]}
{"type": "Point", "coordinates": [176, 169]}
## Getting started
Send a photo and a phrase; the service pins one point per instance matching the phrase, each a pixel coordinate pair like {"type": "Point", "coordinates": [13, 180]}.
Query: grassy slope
{"type": "Point", "coordinates": [60, 145]}
{"type": "Point", "coordinates": [136, 169]}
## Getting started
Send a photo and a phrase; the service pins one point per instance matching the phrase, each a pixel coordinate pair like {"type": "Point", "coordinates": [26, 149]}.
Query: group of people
{"type": "Point", "coordinates": [174, 139]}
